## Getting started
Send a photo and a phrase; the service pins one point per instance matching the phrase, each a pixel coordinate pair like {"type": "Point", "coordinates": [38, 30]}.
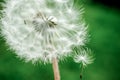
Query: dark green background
{"type": "Point", "coordinates": [104, 28]}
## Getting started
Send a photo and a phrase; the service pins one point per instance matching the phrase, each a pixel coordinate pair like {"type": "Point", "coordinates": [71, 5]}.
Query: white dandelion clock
{"type": "Point", "coordinates": [42, 30]}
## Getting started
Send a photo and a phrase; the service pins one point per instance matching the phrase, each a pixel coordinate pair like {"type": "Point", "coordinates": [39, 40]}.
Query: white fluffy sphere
{"type": "Point", "coordinates": [39, 30]}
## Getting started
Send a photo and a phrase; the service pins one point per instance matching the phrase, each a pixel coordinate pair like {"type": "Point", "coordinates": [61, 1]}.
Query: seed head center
{"type": "Point", "coordinates": [42, 22]}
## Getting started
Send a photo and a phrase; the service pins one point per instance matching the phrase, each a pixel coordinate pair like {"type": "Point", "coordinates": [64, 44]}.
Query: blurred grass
{"type": "Point", "coordinates": [104, 26]}
{"type": "Point", "coordinates": [105, 41]}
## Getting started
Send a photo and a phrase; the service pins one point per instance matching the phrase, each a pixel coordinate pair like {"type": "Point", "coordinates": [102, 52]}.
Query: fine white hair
{"type": "Point", "coordinates": [39, 30]}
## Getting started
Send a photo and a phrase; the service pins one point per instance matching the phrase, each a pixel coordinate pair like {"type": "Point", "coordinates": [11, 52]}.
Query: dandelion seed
{"type": "Point", "coordinates": [84, 57]}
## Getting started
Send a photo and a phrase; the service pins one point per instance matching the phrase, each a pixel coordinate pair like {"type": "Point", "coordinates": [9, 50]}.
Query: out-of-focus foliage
{"type": "Point", "coordinates": [104, 26]}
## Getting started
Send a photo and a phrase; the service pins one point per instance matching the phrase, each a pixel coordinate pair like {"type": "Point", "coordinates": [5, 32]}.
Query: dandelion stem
{"type": "Point", "coordinates": [56, 69]}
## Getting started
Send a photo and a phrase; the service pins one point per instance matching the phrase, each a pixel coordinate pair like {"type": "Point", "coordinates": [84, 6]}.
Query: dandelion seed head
{"type": "Point", "coordinates": [42, 29]}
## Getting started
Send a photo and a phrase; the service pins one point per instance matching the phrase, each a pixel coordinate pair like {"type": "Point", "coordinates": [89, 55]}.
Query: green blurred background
{"type": "Point", "coordinates": [103, 17]}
